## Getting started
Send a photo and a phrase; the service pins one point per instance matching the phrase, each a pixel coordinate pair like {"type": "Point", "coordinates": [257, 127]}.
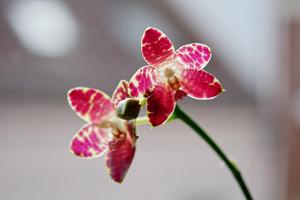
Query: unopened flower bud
{"type": "Point", "coordinates": [128, 108]}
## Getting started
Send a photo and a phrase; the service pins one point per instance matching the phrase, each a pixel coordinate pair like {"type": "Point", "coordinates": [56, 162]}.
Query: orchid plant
{"type": "Point", "coordinates": [168, 76]}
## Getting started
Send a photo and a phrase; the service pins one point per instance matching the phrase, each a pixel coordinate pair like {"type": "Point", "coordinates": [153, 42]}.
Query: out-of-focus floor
{"type": "Point", "coordinates": [171, 162]}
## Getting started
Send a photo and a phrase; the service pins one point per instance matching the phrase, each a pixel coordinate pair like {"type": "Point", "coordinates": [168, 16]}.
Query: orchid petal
{"type": "Point", "coordinates": [199, 84]}
{"type": "Point", "coordinates": [179, 94]}
{"type": "Point", "coordinates": [143, 82]}
{"type": "Point", "coordinates": [161, 104]}
{"type": "Point", "coordinates": [90, 104]}
{"type": "Point", "coordinates": [120, 93]}
{"type": "Point", "coordinates": [156, 46]}
{"type": "Point", "coordinates": [120, 154]}
{"type": "Point", "coordinates": [90, 141]}
{"type": "Point", "coordinates": [194, 55]}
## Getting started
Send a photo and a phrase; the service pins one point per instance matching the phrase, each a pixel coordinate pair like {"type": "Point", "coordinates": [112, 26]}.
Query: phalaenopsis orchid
{"type": "Point", "coordinates": [169, 76]}
{"type": "Point", "coordinates": [104, 131]}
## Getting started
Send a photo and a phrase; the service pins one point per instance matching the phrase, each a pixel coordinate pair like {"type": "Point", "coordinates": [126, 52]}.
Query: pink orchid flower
{"type": "Point", "coordinates": [171, 75]}
{"type": "Point", "coordinates": [104, 131]}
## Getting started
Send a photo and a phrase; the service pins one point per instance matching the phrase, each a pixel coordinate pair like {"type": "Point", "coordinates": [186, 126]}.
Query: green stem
{"type": "Point", "coordinates": [232, 167]}
{"type": "Point", "coordinates": [142, 121]}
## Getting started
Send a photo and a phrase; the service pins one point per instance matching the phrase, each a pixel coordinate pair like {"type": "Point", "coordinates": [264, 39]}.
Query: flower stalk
{"type": "Point", "coordinates": [179, 114]}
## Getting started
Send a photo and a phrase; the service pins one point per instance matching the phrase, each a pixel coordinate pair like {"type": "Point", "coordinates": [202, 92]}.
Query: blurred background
{"type": "Point", "coordinates": [50, 46]}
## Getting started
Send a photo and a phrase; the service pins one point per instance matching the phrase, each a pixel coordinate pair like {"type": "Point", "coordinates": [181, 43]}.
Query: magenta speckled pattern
{"type": "Point", "coordinates": [171, 75]}
{"type": "Point", "coordinates": [104, 131]}
{"type": "Point", "coordinates": [143, 82]}
{"type": "Point", "coordinates": [91, 141]}
{"type": "Point", "coordinates": [90, 104]}
{"type": "Point", "coordinates": [156, 47]}
{"type": "Point", "coordinates": [194, 55]}
{"type": "Point", "coordinates": [199, 84]}
{"type": "Point", "coordinates": [120, 93]}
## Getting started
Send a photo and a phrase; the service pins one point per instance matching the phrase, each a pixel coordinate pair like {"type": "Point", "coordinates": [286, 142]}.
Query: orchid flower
{"type": "Point", "coordinates": [104, 131]}
{"type": "Point", "coordinates": [171, 74]}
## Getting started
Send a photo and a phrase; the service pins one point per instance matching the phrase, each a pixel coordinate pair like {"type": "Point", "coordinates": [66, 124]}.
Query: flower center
{"type": "Point", "coordinates": [117, 133]}
{"type": "Point", "coordinates": [106, 124]}
{"type": "Point", "coordinates": [172, 79]}
{"type": "Point", "coordinates": [174, 83]}
{"type": "Point", "coordinates": [116, 126]}
{"type": "Point", "coordinates": [168, 72]}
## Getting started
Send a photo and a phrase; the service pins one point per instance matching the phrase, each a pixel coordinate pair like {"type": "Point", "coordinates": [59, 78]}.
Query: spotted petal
{"type": "Point", "coordinates": [194, 55]}
{"type": "Point", "coordinates": [120, 154]}
{"type": "Point", "coordinates": [161, 104]}
{"type": "Point", "coordinates": [156, 47]}
{"type": "Point", "coordinates": [143, 82]}
{"type": "Point", "coordinates": [199, 84]}
{"type": "Point", "coordinates": [90, 104]}
{"type": "Point", "coordinates": [91, 141]}
{"type": "Point", "coordinates": [120, 93]}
